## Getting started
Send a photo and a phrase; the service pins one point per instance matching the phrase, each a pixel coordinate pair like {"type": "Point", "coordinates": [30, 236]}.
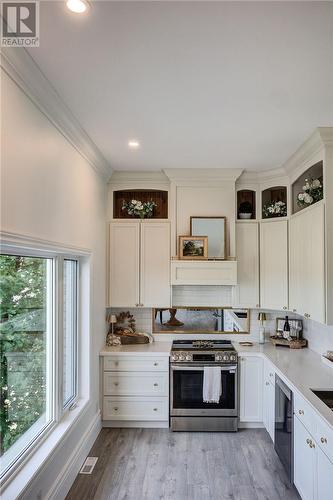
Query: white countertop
{"type": "Point", "coordinates": [154, 349]}
{"type": "Point", "coordinates": [302, 369]}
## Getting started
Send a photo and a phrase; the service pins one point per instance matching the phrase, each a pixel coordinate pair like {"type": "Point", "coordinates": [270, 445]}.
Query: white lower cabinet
{"type": "Point", "coordinates": [304, 461]}
{"type": "Point", "coordinates": [251, 375]}
{"type": "Point", "coordinates": [269, 398]}
{"type": "Point", "coordinates": [135, 389]}
{"type": "Point", "coordinates": [313, 468]}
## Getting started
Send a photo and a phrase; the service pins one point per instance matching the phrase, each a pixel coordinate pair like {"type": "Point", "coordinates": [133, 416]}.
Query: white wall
{"type": "Point", "coordinates": [49, 191]}
{"type": "Point", "coordinates": [320, 337]}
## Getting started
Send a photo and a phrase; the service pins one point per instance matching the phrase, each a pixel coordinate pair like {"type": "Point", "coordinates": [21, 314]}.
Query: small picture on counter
{"type": "Point", "coordinates": [193, 247]}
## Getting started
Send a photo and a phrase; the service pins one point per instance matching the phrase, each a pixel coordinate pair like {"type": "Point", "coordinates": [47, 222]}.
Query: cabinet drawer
{"type": "Point", "coordinates": [136, 363]}
{"type": "Point", "coordinates": [324, 437]}
{"type": "Point", "coordinates": [126, 408]}
{"type": "Point", "coordinates": [305, 414]}
{"type": "Point", "coordinates": [135, 384]}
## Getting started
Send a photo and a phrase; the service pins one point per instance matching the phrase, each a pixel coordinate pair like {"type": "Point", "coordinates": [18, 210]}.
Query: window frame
{"type": "Point", "coordinates": [54, 372]}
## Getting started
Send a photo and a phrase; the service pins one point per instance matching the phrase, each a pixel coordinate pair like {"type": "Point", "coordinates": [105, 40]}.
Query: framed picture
{"type": "Point", "coordinates": [215, 229]}
{"type": "Point", "coordinates": [193, 247]}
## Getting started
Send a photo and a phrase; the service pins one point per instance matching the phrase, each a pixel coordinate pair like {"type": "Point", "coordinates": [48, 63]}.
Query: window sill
{"type": "Point", "coordinates": [17, 481]}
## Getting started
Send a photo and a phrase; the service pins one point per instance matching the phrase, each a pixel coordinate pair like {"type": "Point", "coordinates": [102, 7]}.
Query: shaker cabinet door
{"type": "Point", "coordinates": [274, 265]}
{"type": "Point", "coordinates": [247, 240]}
{"type": "Point", "coordinates": [124, 264]}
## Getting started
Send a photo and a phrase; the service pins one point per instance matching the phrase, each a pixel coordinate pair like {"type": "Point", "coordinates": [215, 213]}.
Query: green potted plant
{"type": "Point", "coordinates": [245, 210]}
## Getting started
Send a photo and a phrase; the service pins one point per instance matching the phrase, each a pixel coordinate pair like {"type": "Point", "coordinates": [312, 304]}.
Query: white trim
{"type": "Point", "coordinates": [23, 70]}
{"type": "Point", "coordinates": [68, 473]}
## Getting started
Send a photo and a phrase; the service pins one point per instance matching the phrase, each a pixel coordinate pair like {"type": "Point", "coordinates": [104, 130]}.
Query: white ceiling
{"type": "Point", "coordinates": [199, 84]}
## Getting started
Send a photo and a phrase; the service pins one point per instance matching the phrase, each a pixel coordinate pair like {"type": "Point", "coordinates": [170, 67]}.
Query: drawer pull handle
{"type": "Point", "coordinates": [312, 445]}
{"type": "Point", "coordinates": [271, 374]}
{"type": "Point", "coordinates": [284, 308]}
{"type": "Point", "coordinates": [155, 409]}
{"type": "Point", "coordinates": [115, 409]}
{"type": "Point", "coordinates": [308, 441]}
{"type": "Point", "coordinates": [323, 440]}
{"type": "Point", "coordinates": [155, 364]}
{"type": "Point", "coordinates": [116, 363]}
{"type": "Point", "coordinates": [116, 383]}
{"type": "Point", "coordinates": [156, 384]}
{"type": "Point", "coordinates": [301, 412]}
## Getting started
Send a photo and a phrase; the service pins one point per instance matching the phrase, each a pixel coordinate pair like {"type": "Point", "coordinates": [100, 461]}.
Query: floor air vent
{"type": "Point", "coordinates": [88, 465]}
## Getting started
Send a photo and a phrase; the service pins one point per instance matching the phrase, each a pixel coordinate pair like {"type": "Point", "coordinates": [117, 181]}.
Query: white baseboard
{"type": "Point", "coordinates": [71, 468]}
{"type": "Point", "coordinates": [164, 424]}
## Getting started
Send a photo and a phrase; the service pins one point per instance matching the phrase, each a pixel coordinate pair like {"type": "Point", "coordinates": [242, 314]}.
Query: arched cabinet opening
{"type": "Point", "coordinates": [157, 200]}
{"type": "Point", "coordinates": [308, 188]}
{"type": "Point", "coordinates": [246, 204]}
{"type": "Point", "coordinates": [274, 202]}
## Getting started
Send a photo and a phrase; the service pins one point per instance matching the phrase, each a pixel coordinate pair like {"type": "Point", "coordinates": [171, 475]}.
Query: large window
{"type": "Point", "coordinates": [38, 327]}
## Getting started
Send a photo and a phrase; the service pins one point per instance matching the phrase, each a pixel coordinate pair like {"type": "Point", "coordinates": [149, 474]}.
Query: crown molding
{"type": "Point", "coordinates": [321, 137]}
{"type": "Point", "coordinates": [150, 177]}
{"type": "Point", "coordinates": [23, 70]}
{"type": "Point", "coordinates": [202, 175]}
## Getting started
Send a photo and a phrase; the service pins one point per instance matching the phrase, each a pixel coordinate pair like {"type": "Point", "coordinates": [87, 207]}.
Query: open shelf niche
{"type": "Point", "coordinates": [273, 195]}
{"type": "Point", "coordinates": [315, 172]}
{"type": "Point", "coordinates": [246, 197]}
{"type": "Point", "coordinates": [158, 196]}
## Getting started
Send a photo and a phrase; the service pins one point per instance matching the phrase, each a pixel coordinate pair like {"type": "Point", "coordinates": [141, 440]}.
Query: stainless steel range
{"type": "Point", "coordinates": [188, 411]}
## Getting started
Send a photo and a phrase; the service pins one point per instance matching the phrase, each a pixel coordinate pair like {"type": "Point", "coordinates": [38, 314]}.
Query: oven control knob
{"type": "Point", "coordinates": [188, 357]}
{"type": "Point", "coordinates": [233, 357]}
{"type": "Point", "coordinates": [181, 357]}
{"type": "Point", "coordinates": [218, 357]}
{"type": "Point", "coordinates": [174, 357]}
{"type": "Point", "coordinates": [225, 357]}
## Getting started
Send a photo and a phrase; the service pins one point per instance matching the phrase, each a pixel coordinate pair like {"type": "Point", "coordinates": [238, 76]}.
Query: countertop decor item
{"type": "Point", "coordinates": [296, 327]}
{"type": "Point", "coordinates": [245, 210]}
{"type": "Point", "coordinates": [193, 247]}
{"type": "Point", "coordinates": [262, 321]}
{"type": "Point", "coordinates": [111, 339]}
{"type": "Point", "coordinates": [215, 228]}
{"type": "Point", "coordinates": [292, 344]}
{"type": "Point", "coordinates": [275, 209]}
{"type": "Point", "coordinates": [312, 192]}
{"type": "Point", "coordinates": [138, 208]}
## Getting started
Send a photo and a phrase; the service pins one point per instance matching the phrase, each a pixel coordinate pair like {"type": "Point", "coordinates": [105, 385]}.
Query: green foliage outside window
{"type": "Point", "coordinates": [22, 345]}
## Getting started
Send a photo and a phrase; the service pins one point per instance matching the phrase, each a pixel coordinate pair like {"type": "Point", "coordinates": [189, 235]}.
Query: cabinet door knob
{"type": "Point", "coordinates": [294, 310]}
{"type": "Point", "coordinates": [284, 308]}
{"type": "Point", "coordinates": [155, 409]}
{"type": "Point", "coordinates": [308, 441]}
{"type": "Point", "coordinates": [155, 364]}
{"type": "Point", "coordinates": [323, 440]}
{"type": "Point", "coordinates": [267, 383]}
{"type": "Point", "coordinates": [116, 363]}
{"type": "Point", "coordinates": [271, 374]}
{"type": "Point", "coordinates": [257, 305]}
{"type": "Point", "coordinates": [116, 383]}
{"type": "Point", "coordinates": [156, 384]}
{"type": "Point", "coordinates": [115, 409]}
{"type": "Point", "coordinates": [301, 412]}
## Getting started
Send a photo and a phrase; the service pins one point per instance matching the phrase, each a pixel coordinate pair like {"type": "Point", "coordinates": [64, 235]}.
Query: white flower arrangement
{"type": "Point", "coordinates": [312, 192]}
{"type": "Point", "coordinates": [138, 208]}
{"type": "Point", "coordinates": [275, 209]}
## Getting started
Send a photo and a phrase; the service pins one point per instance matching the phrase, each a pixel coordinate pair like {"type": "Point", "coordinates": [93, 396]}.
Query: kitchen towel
{"type": "Point", "coordinates": [212, 386]}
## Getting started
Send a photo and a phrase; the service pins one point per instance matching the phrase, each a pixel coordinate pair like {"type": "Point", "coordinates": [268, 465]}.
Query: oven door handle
{"type": "Point", "coordinates": [230, 369]}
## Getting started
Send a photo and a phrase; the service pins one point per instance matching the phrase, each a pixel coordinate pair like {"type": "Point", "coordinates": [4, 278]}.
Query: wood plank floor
{"type": "Point", "coordinates": [153, 464]}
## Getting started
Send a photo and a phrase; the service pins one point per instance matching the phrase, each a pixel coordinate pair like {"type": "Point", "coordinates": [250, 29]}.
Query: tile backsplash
{"type": "Point", "coordinates": [319, 337]}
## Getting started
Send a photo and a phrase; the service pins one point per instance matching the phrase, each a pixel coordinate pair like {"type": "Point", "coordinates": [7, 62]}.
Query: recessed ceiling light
{"type": "Point", "coordinates": [77, 6]}
{"type": "Point", "coordinates": [133, 144]}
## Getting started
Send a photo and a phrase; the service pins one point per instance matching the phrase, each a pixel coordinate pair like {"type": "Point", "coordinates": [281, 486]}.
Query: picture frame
{"type": "Point", "coordinates": [215, 228]}
{"type": "Point", "coordinates": [193, 247]}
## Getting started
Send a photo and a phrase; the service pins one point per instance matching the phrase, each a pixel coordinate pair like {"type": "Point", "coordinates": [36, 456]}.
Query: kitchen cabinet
{"type": "Point", "coordinates": [251, 375]}
{"type": "Point", "coordinates": [269, 398]}
{"type": "Point", "coordinates": [274, 264]}
{"type": "Point", "coordinates": [304, 461]}
{"type": "Point", "coordinates": [201, 272]}
{"type": "Point", "coordinates": [324, 476]}
{"type": "Point", "coordinates": [246, 293]}
{"type": "Point", "coordinates": [307, 263]}
{"type": "Point", "coordinates": [139, 264]}
{"type": "Point", "coordinates": [135, 390]}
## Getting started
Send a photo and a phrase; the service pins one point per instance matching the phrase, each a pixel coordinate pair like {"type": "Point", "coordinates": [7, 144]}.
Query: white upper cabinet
{"type": "Point", "coordinates": [307, 263]}
{"type": "Point", "coordinates": [274, 264]}
{"type": "Point", "coordinates": [155, 264]}
{"type": "Point", "coordinates": [246, 293]}
{"type": "Point", "coordinates": [124, 264]}
{"type": "Point", "coordinates": [139, 264]}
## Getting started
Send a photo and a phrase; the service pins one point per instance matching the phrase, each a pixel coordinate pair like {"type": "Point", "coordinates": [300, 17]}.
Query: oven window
{"type": "Point", "coordinates": [187, 390]}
